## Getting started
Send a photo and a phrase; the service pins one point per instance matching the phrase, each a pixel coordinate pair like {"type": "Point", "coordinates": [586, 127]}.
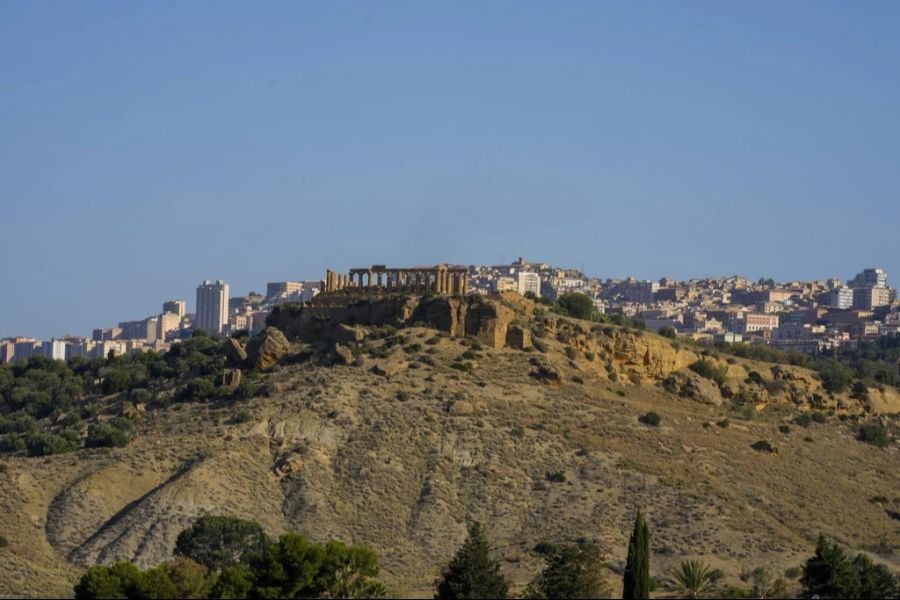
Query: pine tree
{"type": "Point", "coordinates": [636, 579]}
{"type": "Point", "coordinates": [472, 573]}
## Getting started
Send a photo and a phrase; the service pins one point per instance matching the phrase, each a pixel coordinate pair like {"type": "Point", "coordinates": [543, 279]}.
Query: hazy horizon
{"type": "Point", "coordinates": [147, 147]}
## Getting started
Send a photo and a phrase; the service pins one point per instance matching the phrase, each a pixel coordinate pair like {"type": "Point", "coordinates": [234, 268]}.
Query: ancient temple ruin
{"type": "Point", "coordinates": [379, 279]}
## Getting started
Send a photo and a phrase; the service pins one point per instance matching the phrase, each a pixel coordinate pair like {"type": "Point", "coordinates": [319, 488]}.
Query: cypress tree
{"type": "Point", "coordinates": [472, 573]}
{"type": "Point", "coordinates": [636, 579]}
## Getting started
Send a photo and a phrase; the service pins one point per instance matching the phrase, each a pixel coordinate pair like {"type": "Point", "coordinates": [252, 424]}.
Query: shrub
{"type": "Point", "coordinates": [803, 419]}
{"type": "Point", "coordinates": [706, 369]}
{"type": "Point", "coordinates": [216, 541]}
{"type": "Point", "coordinates": [724, 423]}
{"type": "Point", "coordinates": [818, 416]}
{"type": "Point", "coordinates": [576, 305]}
{"type": "Point", "coordinates": [835, 375]}
{"type": "Point", "coordinates": [199, 389]}
{"type": "Point", "coordinates": [44, 444]}
{"type": "Point", "coordinates": [668, 332]}
{"type": "Point", "coordinates": [3, 542]}
{"type": "Point", "coordinates": [240, 417]}
{"type": "Point", "coordinates": [556, 476]}
{"type": "Point", "coordinates": [762, 446]}
{"type": "Point", "coordinates": [784, 429]}
{"type": "Point", "coordinates": [104, 435]}
{"type": "Point", "coordinates": [873, 433]}
{"type": "Point", "coordinates": [650, 418]}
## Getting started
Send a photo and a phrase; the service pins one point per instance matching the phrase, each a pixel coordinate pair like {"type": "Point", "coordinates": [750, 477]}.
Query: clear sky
{"type": "Point", "coordinates": [145, 146]}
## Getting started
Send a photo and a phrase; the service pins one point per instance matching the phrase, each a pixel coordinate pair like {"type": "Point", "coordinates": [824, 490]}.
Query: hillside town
{"type": "Point", "coordinates": [808, 316]}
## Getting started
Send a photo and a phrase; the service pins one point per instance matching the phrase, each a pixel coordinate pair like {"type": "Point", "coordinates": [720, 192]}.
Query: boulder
{"type": "Point", "coordinates": [518, 337]}
{"type": "Point", "coordinates": [343, 355]}
{"type": "Point", "coordinates": [266, 349]}
{"type": "Point", "coordinates": [231, 378]}
{"type": "Point", "coordinates": [347, 334]}
{"type": "Point", "coordinates": [235, 352]}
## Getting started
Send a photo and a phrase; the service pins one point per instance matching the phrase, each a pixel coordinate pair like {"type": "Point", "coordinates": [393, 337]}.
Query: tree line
{"type": "Point", "coordinates": [226, 557]}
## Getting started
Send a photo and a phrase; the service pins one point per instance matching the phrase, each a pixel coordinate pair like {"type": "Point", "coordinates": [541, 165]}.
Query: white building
{"type": "Point", "coordinates": [528, 282]}
{"type": "Point", "coordinates": [212, 307]}
{"type": "Point", "coordinates": [55, 349]}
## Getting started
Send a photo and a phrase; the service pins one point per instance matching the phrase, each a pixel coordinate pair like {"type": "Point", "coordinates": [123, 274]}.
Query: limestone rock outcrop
{"type": "Point", "coordinates": [235, 351]}
{"type": "Point", "coordinates": [266, 349]}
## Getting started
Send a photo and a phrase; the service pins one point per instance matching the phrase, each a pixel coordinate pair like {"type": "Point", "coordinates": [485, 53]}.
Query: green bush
{"type": "Point", "coordinates": [44, 444]}
{"type": "Point", "coordinates": [104, 435]}
{"type": "Point", "coordinates": [3, 542]}
{"type": "Point", "coordinates": [650, 418]}
{"type": "Point", "coordinates": [706, 369]}
{"type": "Point", "coordinates": [763, 446]}
{"type": "Point", "coordinates": [873, 433]}
{"type": "Point", "coordinates": [240, 417]}
{"type": "Point", "coordinates": [803, 419]}
{"type": "Point", "coordinates": [576, 305]}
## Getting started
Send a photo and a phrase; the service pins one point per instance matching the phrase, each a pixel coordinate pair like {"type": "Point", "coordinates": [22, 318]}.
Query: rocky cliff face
{"type": "Point", "coordinates": [484, 318]}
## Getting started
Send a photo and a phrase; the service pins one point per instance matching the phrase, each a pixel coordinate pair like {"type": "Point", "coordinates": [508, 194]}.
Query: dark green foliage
{"type": "Point", "coordinates": [234, 581]}
{"type": "Point", "coordinates": [472, 573]}
{"type": "Point", "coordinates": [650, 418]}
{"type": "Point", "coordinates": [240, 417]}
{"type": "Point", "coordinates": [706, 369]}
{"type": "Point", "coordinates": [105, 435]}
{"type": "Point", "coordinates": [288, 568]}
{"type": "Point", "coordinates": [763, 446]}
{"type": "Point", "coordinates": [668, 332]}
{"type": "Point", "coordinates": [216, 541]}
{"type": "Point", "coordinates": [784, 429]}
{"type": "Point", "coordinates": [37, 396]}
{"type": "Point", "coordinates": [199, 389]}
{"type": "Point", "coordinates": [576, 305]}
{"type": "Point", "coordinates": [803, 419]}
{"type": "Point", "coordinates": [829, 573]}
{"type": "Point", "coordinates": [3, 541]}
{"type": "Point", "coordinates": [873, 433]}
{"type": "Point", "coordinates": [818, 416]}
{"type": "Point", "coordinates": [835, 375]}
{"type": "Point", "coordinates": [875, 581]}
{"type": "Point", "coordinates": [44, 444]}
{"type": "Point", "coordinates": [636, 578]}
{"type": "Point", "coordinates": [571, 571]}
{"type": "Point", "coordinates": [349, 572]}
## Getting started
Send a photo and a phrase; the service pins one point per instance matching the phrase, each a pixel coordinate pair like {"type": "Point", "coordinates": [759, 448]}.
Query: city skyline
{"type": "Point", "coordinates": [188, 304]}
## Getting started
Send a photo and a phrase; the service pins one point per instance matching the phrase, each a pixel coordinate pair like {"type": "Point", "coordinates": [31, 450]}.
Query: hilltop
{"type": "Point", "coordinates": [393, 421]}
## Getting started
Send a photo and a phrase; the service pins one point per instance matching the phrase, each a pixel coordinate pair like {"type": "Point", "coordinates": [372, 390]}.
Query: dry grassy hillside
{"type": "Point", "coordinates": [399, 451]}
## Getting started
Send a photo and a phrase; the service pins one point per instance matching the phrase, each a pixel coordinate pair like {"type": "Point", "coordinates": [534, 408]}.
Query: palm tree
{"type": "Point", "coordinates": [692, 577]}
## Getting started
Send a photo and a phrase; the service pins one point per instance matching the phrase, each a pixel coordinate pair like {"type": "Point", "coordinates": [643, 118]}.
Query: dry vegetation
{"type": "Point", "coordinates": [401, 460]}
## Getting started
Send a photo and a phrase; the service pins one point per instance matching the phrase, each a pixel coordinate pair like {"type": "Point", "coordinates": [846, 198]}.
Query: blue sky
{"type": "Point", "coordinates": [145, 146]}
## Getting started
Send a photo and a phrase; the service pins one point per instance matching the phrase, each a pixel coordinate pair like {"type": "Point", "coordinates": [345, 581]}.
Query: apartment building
{"type": "Point", "coordinates": [212, 307]}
